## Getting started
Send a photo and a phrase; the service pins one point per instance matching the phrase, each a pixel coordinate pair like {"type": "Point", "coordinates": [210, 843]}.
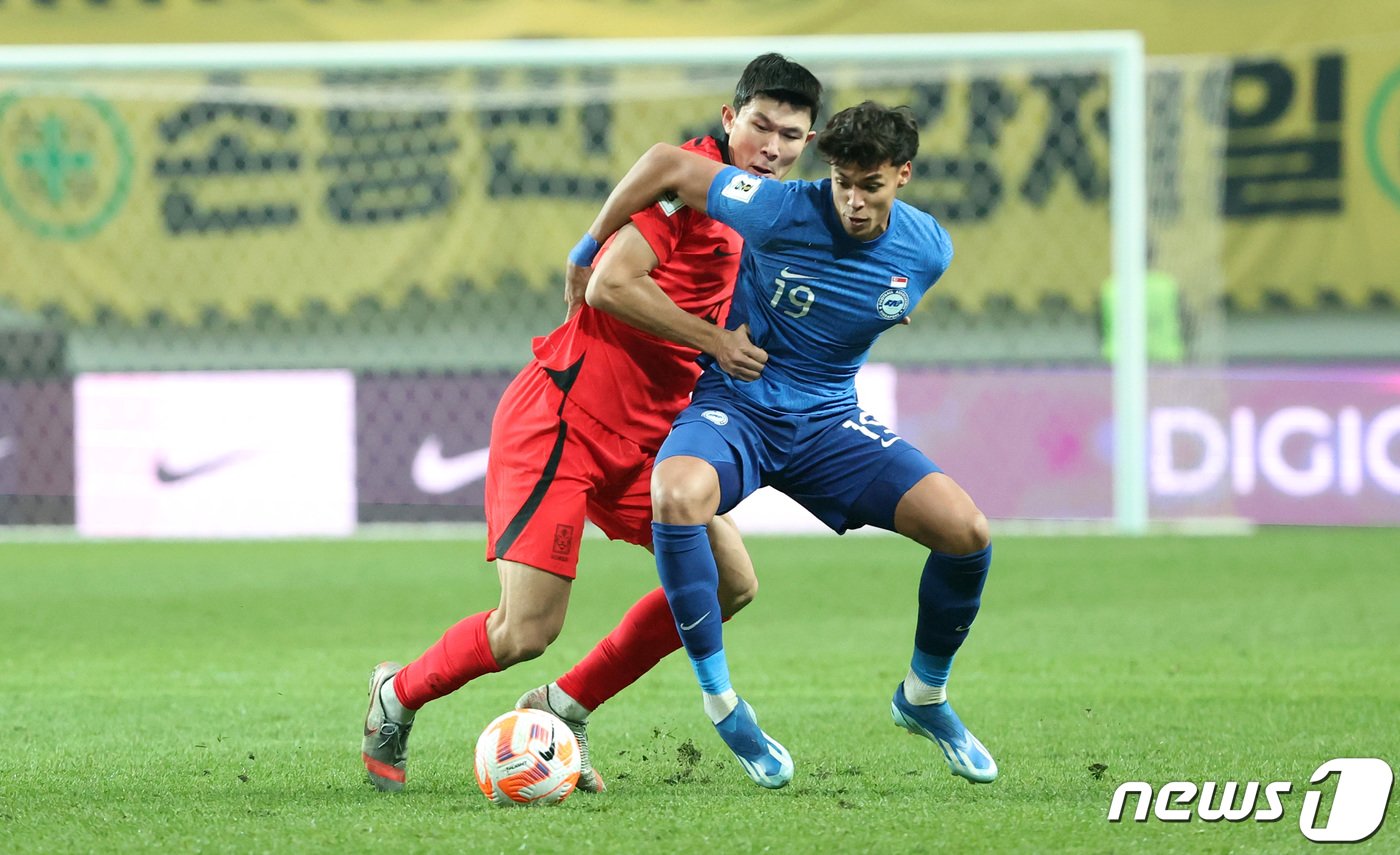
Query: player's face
{"type": "Point", "coordinates": [864, 196]}
{"type": "Point", "coordinates": [766, 136]}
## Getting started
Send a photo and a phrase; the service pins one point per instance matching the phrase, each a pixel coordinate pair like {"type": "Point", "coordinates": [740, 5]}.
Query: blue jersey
{"type": "Point", "coordinates": [814, 297]}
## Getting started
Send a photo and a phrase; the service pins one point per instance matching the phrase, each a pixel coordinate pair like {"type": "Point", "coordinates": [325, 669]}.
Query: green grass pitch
{"type": "Point", "coordinates": [207, 697]}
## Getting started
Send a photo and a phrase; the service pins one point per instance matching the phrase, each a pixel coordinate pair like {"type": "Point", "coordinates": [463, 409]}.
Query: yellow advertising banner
{"type": "Point", "coordinates": [1177, 27]}
{"type": "Point", "coordinates": [182, 195]}
{"type": "Point", "coordinates": [1275, 174]}
{"type": "Point", "coordinates": [185, 194]}
{"type": "Point", "coordinates": [1312, 178]}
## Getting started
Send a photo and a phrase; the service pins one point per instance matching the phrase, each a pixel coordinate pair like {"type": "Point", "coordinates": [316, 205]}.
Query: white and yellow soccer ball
{"type": "Point", "coordinates": [527, 757]}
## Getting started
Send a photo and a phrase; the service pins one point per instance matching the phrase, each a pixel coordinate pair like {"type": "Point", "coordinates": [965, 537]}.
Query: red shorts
{"type": "Point", "coordinates": [551, 465]}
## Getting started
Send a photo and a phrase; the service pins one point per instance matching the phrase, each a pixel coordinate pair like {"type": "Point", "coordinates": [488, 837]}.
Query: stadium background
{"type": "Point", "coordinates": [208, 696]}
{"type": "Point", "coordinates": [1294, 287]}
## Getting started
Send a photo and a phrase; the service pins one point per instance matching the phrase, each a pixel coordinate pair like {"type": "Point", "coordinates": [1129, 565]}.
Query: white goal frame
{"type": "Point", "coordinates": [1121, 51]}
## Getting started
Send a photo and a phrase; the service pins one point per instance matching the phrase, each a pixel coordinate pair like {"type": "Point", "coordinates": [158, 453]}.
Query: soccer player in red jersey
{"type": "Point", "coordinates": [576, 433]}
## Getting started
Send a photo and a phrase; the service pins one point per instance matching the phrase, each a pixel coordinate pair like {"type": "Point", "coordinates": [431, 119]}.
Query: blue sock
{"type": "Point", "coordinates": [713, 673]}
{"type": "Point", "coordinates": [950, 593]}
{"type": "Point", "coordinates": [686, 565]}
{"type": "Point", "coordinates": [932, 670]}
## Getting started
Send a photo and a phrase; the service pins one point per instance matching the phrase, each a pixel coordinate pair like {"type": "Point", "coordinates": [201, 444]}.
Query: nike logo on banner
{"type": "Point", "coordinates": [168, 475]}
{"type": "Point", "coordinates": [788, 274]}
{"type": "Point", "coordinates": [435, 474]}
{"type": "Point", "coordinates": [7, 446]}
{"type": "Point", "coordinates": [698, 621]}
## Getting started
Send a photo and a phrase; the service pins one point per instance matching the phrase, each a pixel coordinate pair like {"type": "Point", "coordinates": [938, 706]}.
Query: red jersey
{"type": "Point", "coordinates": [632, 381]}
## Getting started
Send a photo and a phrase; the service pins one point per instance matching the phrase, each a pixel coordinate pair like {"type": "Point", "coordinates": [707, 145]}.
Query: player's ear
{"type": "Point", "coordinates": [726, 118]}
{"type": "Point", "coordinates": [905, 173]}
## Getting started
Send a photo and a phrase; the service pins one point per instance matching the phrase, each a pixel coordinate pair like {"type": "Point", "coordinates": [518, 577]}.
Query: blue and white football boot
{"type": "Point", "coordinates": [766, 762]}
{"type": "Point", "coordinates": [966, 756]}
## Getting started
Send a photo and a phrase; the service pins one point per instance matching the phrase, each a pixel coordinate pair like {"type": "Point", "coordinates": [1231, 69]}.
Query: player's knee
{"type": "Point", "coordinates": [969, 534]}
{"type": "Point", "coordinates": [981, 531]}
{"type": "Point", "coordinates": [521, 641]}
{"type": "Point", "coordinates": [522, 649]}
{"type": "Point", "coordinates": [683, 501]}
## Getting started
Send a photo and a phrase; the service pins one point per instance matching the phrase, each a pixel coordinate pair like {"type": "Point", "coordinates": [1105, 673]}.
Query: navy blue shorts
{"type": "Point", "coordinates": [844, 466]}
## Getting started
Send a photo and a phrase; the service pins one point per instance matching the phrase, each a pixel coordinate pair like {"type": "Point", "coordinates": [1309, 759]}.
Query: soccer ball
{"type": "Point", "coordinates": [527, 757]}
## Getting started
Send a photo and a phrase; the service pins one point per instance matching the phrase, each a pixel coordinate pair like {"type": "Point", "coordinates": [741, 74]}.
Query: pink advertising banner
{"type": "Point", "coordinates": [216, 454]}
{"type": "Point", "coordinates": [1276, 445]}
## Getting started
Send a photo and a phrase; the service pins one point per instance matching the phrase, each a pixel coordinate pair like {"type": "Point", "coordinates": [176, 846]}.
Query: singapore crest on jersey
{"type": "Point", "coordinates": [894, 301]}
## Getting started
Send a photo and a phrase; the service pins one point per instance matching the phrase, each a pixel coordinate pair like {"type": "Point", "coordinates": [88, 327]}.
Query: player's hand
{"type": "Point", "coordinates": [575, 286]}
{"type": "Point", "coordinates": [904, 321]}
{"type": "Point", "coordinates": [738, 356]}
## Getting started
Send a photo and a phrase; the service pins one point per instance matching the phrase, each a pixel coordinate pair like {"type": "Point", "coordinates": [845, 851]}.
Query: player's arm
{"type": "Point", "coordinates": [622, 286]}
{"type": "Point", "coordinates": [663, 168]}
{"type": "Point", "coordinates": [575, 285]}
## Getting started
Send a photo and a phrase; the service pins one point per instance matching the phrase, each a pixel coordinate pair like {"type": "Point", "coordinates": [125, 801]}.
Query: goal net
{"type": "Point", "coordinates": [276, 289]}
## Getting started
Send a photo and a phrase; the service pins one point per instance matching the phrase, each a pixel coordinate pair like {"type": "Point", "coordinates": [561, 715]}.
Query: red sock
{"type": "Point", "coordinates": [460, 656]}
{"type": "Point", "coordinates": [646, 634]}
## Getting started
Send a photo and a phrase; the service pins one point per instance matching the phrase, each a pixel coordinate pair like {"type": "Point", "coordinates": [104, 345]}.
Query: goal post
{"type": "Point", "coordinates": [1118, 55]}
{"type": "Point", "coordinates": [1128, 212]}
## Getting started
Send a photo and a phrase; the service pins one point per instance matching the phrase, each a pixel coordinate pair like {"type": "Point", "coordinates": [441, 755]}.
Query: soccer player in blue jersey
{"type": "Point", "coordinates": [827, 267]}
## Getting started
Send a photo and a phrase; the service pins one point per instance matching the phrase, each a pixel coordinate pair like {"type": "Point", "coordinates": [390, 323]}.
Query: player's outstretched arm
{"type": "Point", "coordinates": [663, 168]}
{"type": "Point", "coordinates": [622, 286]}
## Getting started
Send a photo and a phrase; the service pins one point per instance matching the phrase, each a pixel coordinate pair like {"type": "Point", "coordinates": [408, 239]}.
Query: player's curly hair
{"type": "Point", "coordinates": [870, 135]}
{"type": "Point", "coordinates": [773, 75]}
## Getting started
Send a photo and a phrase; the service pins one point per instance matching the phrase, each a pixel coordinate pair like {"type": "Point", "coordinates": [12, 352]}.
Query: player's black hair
{"type": "Point", "coordinates": [870, 135]}
{"type": "Point", "coordinates": [775, 76]}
